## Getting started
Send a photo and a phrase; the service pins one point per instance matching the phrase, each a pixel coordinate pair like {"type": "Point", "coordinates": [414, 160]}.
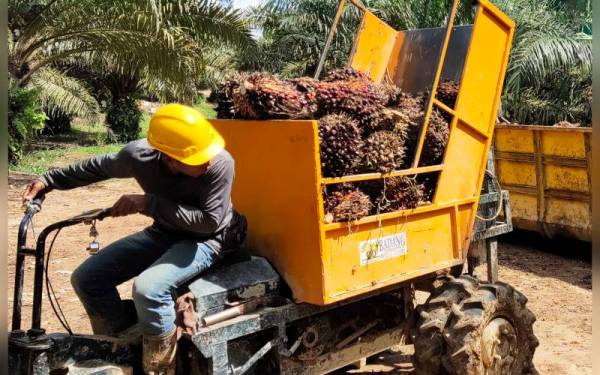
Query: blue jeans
{"type": "Point", "coordinates": [161, 263]}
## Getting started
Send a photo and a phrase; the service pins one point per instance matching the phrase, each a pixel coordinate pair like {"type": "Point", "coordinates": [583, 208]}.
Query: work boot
{"type": "Point", "coordinates": [159, 353]}
{"type": "Point", "coordinates": [101, 326]}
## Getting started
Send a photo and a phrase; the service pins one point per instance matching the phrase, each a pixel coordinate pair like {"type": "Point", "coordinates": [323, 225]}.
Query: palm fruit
{"type": "Point", "coordinates": [429, 183]}
{"type": "Point", "coordinates": [308, 87]}
{"type": "Point", "coordinates": [436, 137]}
{"type": "Point", "coordinates": [384, 119]}
{"type": "Point", "coordinates": [271, 97]}
{"type": "Point", "coordinates": [435, 140]}
{"type": "Point", "coordinates": [346, 203]}
{"type": "Point", "coordinates": [391, 92]}
{"type": "Point", "coordinates": [346, 74]}
{"type": "Point", "coordinates": [394, 193]}
{"type": "Point", "coordinates": [447, 92]}
{"type": "Point", "coordinates": [340, 144]}
{"type": "Point", "coordinates": [357, 98]}
{"type": "Point", "coordinates": [399, 193]}
{"type": "Point", "coordinates": [383, 151]}
{"type": "Point", "coordinates": [223, 97]}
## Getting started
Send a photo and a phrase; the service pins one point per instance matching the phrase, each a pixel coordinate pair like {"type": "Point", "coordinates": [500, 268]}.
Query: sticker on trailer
{"type": "Point", "coordinates": [382, 248]}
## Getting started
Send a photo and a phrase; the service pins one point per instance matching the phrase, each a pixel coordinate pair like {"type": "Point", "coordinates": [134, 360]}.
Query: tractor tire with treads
{"type": "Point", "coordinates": [427, 337]}
{"type": "Point", "coordinates": [490, 333]}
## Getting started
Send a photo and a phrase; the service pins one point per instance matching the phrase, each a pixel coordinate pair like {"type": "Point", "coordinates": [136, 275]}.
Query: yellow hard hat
{"type": "Point", "coordinates": [184, 134]}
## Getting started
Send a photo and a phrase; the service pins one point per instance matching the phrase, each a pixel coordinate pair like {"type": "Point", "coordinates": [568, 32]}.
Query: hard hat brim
{"type": "Point", "coordinates": [201, 157]}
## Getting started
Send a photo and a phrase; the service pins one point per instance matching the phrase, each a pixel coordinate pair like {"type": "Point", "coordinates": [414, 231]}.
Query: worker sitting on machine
{"type": "Point", "coordinates": [186, 175]}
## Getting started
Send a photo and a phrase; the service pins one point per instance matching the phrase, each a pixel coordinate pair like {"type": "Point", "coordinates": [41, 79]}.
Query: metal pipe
{"type": "Point", "coordinates": [255, 357]}
{"type": "Point", "coordinates": [241, 309]}
{"type": "Point", "coordinates": [20, 272]}
{"type": "Point", "coordinates": [38, 281]}
{"type": "Point", "coordinates": [336, 20]}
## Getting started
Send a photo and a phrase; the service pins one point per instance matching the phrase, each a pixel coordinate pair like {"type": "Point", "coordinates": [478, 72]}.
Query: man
{"type": "Point", "coordinates": [186, 175]}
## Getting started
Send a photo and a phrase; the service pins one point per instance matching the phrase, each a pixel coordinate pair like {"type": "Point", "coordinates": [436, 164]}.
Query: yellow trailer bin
{"type": "Point", "coordinates": [278, 183]}
{"type": "Point", "coordinates": [547, 171]}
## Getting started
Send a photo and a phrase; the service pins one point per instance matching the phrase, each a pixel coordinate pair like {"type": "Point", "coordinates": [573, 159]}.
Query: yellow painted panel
{"type": "Point", "coordinates": [462, 166]}
{"type": "Point", "coordinates": [523, 206]}
{"type": "Point", "coordinates": [566, 178]}
{"type": "Point", "coordinates": [485, 65]}
{"type": "Point", "coordinates": [569, 144]}
{"type": "Point", "coordinates": [428, 239]}
{"type": "Point", "coordinates": [516, 172]}
{"type": "Point", "coordinates": [277, 187]}
{"type": "Point", "coordinates": [464, 220]}
{"type": "Point", "coordinates": [374, 44]}
{"type": "Point", "coordinates": [568, 213]}
{"type": "Point", "coordinates": [514, 140]}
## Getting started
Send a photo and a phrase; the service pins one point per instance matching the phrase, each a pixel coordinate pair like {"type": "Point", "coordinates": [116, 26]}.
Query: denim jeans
{"type": "Point", "coordinates": [161, 263]}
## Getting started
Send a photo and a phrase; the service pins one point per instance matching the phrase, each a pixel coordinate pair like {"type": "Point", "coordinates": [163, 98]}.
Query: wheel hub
{"type": "Point", "coordinates": [499, 346]}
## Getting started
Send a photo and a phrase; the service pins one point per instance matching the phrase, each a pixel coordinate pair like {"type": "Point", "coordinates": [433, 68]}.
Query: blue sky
{"type": "Point", "coordinates": [244, 3]}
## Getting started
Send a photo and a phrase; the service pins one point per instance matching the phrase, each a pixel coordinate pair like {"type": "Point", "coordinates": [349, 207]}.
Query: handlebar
{"type": "Point", "coordinates": [34, 206]}
{"type": "Point", "coordinates": [31, 208]}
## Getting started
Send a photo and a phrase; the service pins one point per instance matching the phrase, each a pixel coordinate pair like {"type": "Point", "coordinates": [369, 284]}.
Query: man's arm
{"type": "Point", "coordinates": [91, 170]}
{"type": "Point", "coordinates": [94, 169]}
{"type": "Point", "coordinates": [204, 218]}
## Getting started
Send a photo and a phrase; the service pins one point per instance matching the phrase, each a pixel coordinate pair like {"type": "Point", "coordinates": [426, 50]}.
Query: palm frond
{"type": "Point", "coordinates": [59, 92]}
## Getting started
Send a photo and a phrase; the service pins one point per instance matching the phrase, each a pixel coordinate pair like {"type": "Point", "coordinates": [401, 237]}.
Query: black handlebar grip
{"type": "Point", "coordinates": [103, 214]}
{"type": "Point", "coordinates": [39, 199]}
{"type": "Point", "coordinates": [35, 205]}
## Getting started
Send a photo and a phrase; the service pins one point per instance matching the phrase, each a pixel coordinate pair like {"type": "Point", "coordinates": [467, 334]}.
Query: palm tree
{"type": "Point", "coordinates": [160, 44]}
{"type": "Point", "coordinates": [549, 72]}
{"type": "Point", "coordinates": [294, 33]}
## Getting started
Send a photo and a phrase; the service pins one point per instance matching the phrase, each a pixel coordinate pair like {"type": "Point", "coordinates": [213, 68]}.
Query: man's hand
{"type": "Point", "coordinates": [32, 190]}
{"type": "Point", "coordinates": [129, 204]}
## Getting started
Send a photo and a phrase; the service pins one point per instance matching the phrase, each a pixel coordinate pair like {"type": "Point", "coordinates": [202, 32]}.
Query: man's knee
{"type": "Point", "coordinates": [87, 280]}
{"type": "Point", "coordinates": [79, 280]}
{"type": "Point", "coordinates": [148, 288]}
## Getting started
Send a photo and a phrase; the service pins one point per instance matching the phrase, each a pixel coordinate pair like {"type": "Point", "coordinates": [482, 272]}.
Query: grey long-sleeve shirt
{"type": "Point", "coordinates": [179, 204]}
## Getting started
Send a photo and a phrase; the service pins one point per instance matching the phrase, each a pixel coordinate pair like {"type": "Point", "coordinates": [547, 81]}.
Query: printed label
{"type": "Point", "coordinates": [382, 248]}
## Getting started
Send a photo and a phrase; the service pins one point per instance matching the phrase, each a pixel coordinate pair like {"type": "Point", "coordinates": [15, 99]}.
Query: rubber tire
{"type": "Point", "coordinates": [434, 314]}
{"type": "Point", "coordinates": [470, 317]}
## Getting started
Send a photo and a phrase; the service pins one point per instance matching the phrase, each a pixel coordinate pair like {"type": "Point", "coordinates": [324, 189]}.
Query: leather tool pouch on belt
{"type": "Point", "coordinates": [235, 233]}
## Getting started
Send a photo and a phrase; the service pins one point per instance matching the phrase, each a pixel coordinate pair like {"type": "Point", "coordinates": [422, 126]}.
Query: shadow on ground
{"type": "Point", "coordinates": [563, 259]}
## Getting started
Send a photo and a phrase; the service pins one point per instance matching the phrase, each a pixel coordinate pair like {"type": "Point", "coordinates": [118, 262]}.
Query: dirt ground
{"type": "Point", "coordinates": [558, 288]}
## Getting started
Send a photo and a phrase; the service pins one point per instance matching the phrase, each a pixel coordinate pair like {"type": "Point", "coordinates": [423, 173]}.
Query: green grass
{"type": "Point", "coordinates": [84, 140]}
{"type": "Point", "coordinates": [39, 161]}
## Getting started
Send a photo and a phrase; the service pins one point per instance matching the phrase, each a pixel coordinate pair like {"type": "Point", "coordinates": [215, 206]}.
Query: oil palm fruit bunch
{"type": "Point", "coordinates": [392, 93]}
{"type": "Point", "coordinates": [429, 182]}
{"type": "Point", "coordinates": [340, 144]}
{"type": "Point", "coordinates": [384, 119]}
{"type": "Point", "coordinates": [346, 203]}
{"type": "Point", "coordinates": [394, 193]}
{"type": "Point", "coordinates": [357, 98]}
{"type": "Point", "coordinates": [308, 87]}
{"type": "Point", "coordinates": [271, 97]}
{"type": "Point", "coordinates": [435, 140]}
{"type": "Point", "coordinates": [346, 74]}
{"type": "Point", "coordinates": [447, 92]}
{"type": "Point", "coordinates": [223, 97]}
{"type": "Point", "coordinates": [400, 193]}
{"type": "Point", "coordinates": [383, 151]}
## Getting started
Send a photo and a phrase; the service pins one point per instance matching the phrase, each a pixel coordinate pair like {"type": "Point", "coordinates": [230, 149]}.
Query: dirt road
{"type": "Point", "coordinates": [558, 288]}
